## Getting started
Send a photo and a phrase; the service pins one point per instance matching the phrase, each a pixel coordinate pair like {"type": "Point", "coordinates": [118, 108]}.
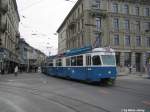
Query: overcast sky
{"type": "Point", "coordinates": [40, 20]}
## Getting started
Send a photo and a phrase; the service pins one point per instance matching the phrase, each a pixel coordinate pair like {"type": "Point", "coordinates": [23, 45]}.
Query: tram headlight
{"type": "Point", "coordinates": [109, 72]}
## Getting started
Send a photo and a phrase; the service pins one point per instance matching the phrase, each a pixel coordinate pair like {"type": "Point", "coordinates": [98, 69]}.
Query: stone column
{"type": "Point", "coordinates": [143, 62]}
{"type": "Point", "coordinates": [122, 59]}
{"type": "Point", "coordinates": [121, 68]}
{"type": "Point", "coordinates": [133, 64]}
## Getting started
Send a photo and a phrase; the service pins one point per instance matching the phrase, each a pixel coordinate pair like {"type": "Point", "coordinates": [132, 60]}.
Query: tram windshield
{"type": "Point", "coordinates": [108, 59]}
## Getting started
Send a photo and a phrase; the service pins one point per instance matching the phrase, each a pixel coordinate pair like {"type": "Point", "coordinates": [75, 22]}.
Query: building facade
{"type": "Point", "coordinates": [9, 35]}
{"type": "Point", "coordinates": [121, 24]}
{"type": "Point", "coordinates": [30, 58]}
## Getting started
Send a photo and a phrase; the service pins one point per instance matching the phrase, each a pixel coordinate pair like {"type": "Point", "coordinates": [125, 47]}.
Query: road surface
{"type": "Point", "coordinates": [36, 92]}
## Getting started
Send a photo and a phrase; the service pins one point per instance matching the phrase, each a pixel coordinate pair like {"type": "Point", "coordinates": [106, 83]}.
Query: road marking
{"type": "Point", "coordinates": [11, 80]}
{"type": "Point", "coordinates": [146, 103]}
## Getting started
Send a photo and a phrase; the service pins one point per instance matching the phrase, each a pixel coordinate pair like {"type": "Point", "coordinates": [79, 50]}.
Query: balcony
{"type": "Point", "coordinates": [3, 6]}
{"type": "Point", "coordinates": [100, 31]}
{"type": "Point", "coordinates": [98, 12]}
{"type": "Point", "coordinates": [136, 1]}
{"type": "Point", "coordinates": [18, 35]}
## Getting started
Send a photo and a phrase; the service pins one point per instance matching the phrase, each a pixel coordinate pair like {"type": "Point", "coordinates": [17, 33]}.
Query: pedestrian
{"type": "Point", "coordinates": [2, 71]}
{"type": "Point", "coordinates": [39, 69]}
{"type": "Point", "coordinates": [16, 71]}
{"type": "Point", "coordinates": [130, 68]}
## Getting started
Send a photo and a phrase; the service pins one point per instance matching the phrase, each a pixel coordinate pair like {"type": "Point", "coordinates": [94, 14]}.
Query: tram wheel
{"type": "Point", "coordinates": [111, 82]}
{"type": "Point", "coordinates": [108, 82]}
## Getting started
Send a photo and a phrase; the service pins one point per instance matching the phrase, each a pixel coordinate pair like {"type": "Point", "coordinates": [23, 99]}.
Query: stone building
{"type": "Point", "coordinates": [30, 58]}
{"type": "Point", "coordinates": [121, 24]}
{"type": "Point", "coordinates": [9, 35]}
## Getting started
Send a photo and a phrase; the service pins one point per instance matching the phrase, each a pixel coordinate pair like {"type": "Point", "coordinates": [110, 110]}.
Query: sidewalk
{"type": "Point", "coordinates": [20, 75]}
{"type": "Point", "coordinates": [134, 75]}
{"type": "Point", "coordinates": [125, 72]}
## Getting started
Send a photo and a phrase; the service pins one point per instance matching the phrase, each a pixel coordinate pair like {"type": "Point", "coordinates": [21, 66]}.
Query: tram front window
{"type": "Point", "coordinates": [96, 60]}
{"type": "Point", "coordinates": [108, 60]}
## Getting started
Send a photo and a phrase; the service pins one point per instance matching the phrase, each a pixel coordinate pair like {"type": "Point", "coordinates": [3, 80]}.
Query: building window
{"type": "Point", "coordinates": [138, 41]}
{"type": "Point", "coordinates": [138, 28]}
{"type": "Point", "coordinates": [82, 8]}
{"type": "Point", "coordinates": [115, 7]}
{"type": "Point", "coordinates": [116, 24]}
{"type": "Point", "coordinates": [127, 61]}
{"type": "Point", "coordinates": [79, 25]}
{"type": "Point", "coordinates": [98, 23]}
{"type": "Point", "coordinates": [148, 41]}
{"type": "Point", "coordinates": [127, 40]}
{"type": "Point", "coordinates": [82, 23]}
{"type": "Point", "coordinates": [116, 40]}
{"type": "Point", "coordinates": [98, 41]}
{"type": "Point", "coordinates": [78, 12]}
{"type": "Point", "coordinates": [97, 4]}
{"type": "Point", "coordinates": [147, 26]}
{"type": "Point", "coordinates": [118, 58]}
{"type": "Point", "coordinates": [147, 11]}
{"type": "Point", "coordinates": [126, 9]}
{"type": "Point", "coordinates": [0, 41]}
{"type": "Point", "coordinates": [137, 11]}
{"type": "Point", "coordinates": [127, 25]}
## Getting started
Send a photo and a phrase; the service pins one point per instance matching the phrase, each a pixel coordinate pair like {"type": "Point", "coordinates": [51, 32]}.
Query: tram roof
{"type": "Point", "coordinates": [83, 50]}
{"type": "Point", "coordinates": [105, 49]}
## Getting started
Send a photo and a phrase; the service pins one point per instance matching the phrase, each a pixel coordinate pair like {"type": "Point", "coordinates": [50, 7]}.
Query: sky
{"type": "Point", "coordinates": [40, 20]}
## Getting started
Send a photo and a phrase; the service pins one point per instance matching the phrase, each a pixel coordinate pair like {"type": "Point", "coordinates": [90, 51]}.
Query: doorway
{"type": "Point", "coordinates": [138, 61]}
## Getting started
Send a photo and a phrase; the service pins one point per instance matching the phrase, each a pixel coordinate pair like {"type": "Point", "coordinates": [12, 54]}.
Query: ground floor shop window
{"type": "Point", "coordinates": [118, 58]}
{"type": "Point", "coordinates": [127, 57]}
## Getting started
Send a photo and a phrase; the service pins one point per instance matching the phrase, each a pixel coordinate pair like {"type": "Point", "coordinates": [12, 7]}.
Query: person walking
{"type": "Point", "coordinates": [16, 70]}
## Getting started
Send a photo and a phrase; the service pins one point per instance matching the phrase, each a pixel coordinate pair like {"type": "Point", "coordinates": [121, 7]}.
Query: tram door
{"type": "Point", "coordinates": [92, 62]}
{"type": "Point", "coordinates": [88, 66]}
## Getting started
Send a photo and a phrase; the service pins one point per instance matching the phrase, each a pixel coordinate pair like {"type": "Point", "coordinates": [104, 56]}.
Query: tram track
{"type": "Point", "coordinates": [58, 98]}
{"type": "Point", "coordinates": [130, 88]}
{"type": "Point", "coordinates": [51, 101]}
{"type": "Point", "coordinates": [129, 91]}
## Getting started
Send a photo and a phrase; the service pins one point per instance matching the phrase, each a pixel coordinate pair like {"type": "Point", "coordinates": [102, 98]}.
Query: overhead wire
{"type": "Point", "coordinates": [31, 5]}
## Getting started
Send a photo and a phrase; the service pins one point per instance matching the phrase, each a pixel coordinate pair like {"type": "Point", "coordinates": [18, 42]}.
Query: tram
{"type": "Point", "coordinates": [84, 64]}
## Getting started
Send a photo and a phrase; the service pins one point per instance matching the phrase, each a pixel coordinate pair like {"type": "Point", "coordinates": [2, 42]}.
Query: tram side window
{"type": "Point", "coordinates": [96, 60]}
{"type": "Point", "coordinates": [88, 60]}
{"type": "Point", "coordinates": [50, 63]}
{"type": "Point", "coordinates": [79, 60]}
{"type": "Point", "coordinates": [73, 61]}
{"type": "Point", "coordinates": [68, 62]}
{"type": "Point", "coordinates": [58, 62]}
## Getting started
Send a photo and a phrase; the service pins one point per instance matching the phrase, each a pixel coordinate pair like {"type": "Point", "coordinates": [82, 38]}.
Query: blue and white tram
{"type": "Point", "coordinates": [85, 64]}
